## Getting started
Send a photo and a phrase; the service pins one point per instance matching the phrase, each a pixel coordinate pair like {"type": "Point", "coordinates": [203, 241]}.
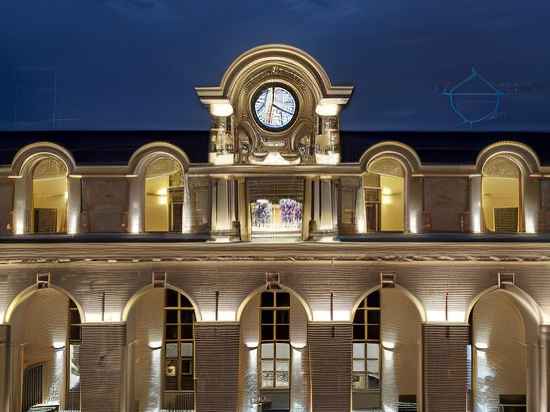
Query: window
{"type": "Point", "coordinates": [275, 338]}
{"type": "Point", "coordinates": [384, 186]}
{"type": "Point", "coordinates": [178, 342]}
{"type": "Point", "coordinates": [366, 349]}
{"type": "Point", "coordinates": [164, 194]}
{"type": "Point", "coordinates": [73, 361]}
{"type": "Point", "coordinates": [49, 196]}
{"type": "Point", "coordinates": [501, 195]}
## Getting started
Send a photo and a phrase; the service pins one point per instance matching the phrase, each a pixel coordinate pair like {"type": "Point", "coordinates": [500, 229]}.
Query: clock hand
{"type": "Point", "coordinates": [283, 110]}
{"type": "Point", "coordinates": [272, 90]}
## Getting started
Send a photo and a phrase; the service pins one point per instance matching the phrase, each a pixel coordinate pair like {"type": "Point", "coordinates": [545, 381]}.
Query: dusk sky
{"type": "Point", "coordinates": [132, 64]}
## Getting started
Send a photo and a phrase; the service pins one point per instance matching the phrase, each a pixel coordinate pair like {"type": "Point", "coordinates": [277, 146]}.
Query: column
{"type": "Point", "coordinates": [531, 204]}
{"type": "Point", "coordinates": [324, 222]}
{"type": "Point", "coordinates": [225, 225]}
{"type": "Point", "coordinates": [476, 212]}
{"type": "Point", "coordinates": [445, 367]}
{"type": "Point", "coordinates": [222, 150]}
{"type": "Point", "coordinates": [101, 365]}
{"type": "Point", "coordinates": [327, 144]}
{"type": "Point", "coordinates": [74, 205]}
{"type": "Point", "coordinates": [4, 367]}
{"type": "Point", "coordinates": [217, 366]}
{"type": "Point", "coordinates": [330, 346]}
{"type": "Point", "coordinates": [413, 215]}
{"type": "Point", "coordinates": [544, 359]}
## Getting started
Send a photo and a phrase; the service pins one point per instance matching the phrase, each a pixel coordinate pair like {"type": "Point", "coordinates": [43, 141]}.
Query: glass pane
{"type": "Point", "coordinates": [267, 299]}
{"type": "Point", "coordinates": [358, 365]}
{"type": "Point", "coordinates": [283, 351]}
{"type": "Point", "coordinates": [281, 365]}
{"type": "Point", "coordinates": [187, 383]}
{"type": "Point", "coordinates": [359, 316]}
{"type": "Point", "coordinates": [74, 333]}
{"type": "Point", "coordinates": [373, 332]}
{"type": "Point", "coordinates": [75, 317]}
{"type": "Point", "coordinates": [171, 332]}
{"type": "Point", "coordinates": [186, 366]}
{"type": "Point", "coordinates": [267, 332]}
{"type": "Point", "coordinates": [282, 332]}
{"type": "Point", "coordinates": [267, 316]}
{"type": "Point", "coordinates": [362, 304]}
{"type": "Point", "coordinates": [184, 302]}
{"type": "Point", "coordinates": [359, 350]}
{"type": "Point", "coordinates": [187, 332]}
{"type": "Point", "coordinates": [171, 368]}
{"type": "Point", "coordinates": [359, 382]}
{"type": "Point", "coordinates": [74, 365]}
{"type": "Point", "coordinates": [267, 379]}
{"type": "Point", "coordinates": [187, 349]}
{"type": "Point", "coordinates": [283, 299]}
{"type": "Point", "coordinates": [171, 316]}
{"type": "Point", "coordinates": [283, 316]}
{"type": "Point", "coordinates": [267, 365]}
{"type": "Point", "coordinates": [373, 300]}
{"type": "Point", "coordinates": [373, 316]}
{"type": "Point", "coordinates": [373, 367]}
{"type": "Point", "coordinates": [373, 351]}
{"type": "Point", "coordinates": [282, 379]}
{"type": "Point", "coordinates": [171, 298]}
{"type": "Point", "coordinates": [171, 350]}
{"type": "Point", "coordinates": [267, 350]}
{"type": "Point", "coordinates": [373, 382]}
{"type": "Point", "coordinates": [186, 316]}
{"type": "Point", "coordinates": [358, 332]}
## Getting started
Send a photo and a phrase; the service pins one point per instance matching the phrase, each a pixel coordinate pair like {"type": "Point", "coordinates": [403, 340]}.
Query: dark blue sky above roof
{"type": "Point", "coordinates": [132, 64]}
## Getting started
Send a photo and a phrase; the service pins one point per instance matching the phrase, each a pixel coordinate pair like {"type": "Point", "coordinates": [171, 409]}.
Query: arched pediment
{"type": "Point", "coordinates": [406, 155]}
{"type": "Point", "coordinates": [520, 153]}
{"type": "Point", "coordinates": [28, 156]}
{"type": "Point", "coordinates": [260, 57]}
{"type": "Point", "coordinates": [149, 152]}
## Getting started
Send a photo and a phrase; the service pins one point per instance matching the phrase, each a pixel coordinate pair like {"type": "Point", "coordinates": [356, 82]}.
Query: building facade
{"type": "Point", "coordinates": [285, 273]}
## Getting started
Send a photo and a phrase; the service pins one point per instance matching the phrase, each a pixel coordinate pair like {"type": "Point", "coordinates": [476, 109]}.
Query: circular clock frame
{"type": "Point", "coordinates": [254, 99]}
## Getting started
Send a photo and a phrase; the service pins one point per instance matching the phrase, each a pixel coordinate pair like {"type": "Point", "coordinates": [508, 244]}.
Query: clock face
{"type": "Point", "coordinates": [274, 107]}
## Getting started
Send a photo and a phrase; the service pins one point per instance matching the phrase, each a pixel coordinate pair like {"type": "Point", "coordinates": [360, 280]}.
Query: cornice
{"type": "Point", "coordinates": [311, 252]}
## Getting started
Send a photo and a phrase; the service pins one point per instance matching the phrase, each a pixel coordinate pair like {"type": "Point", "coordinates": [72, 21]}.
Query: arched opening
{"type": "Point", "coordinates": [49, 196]}
{"type": "Point", "coordinates": [384, 187]}
{"type": "Point", "coordinates": [45, 351]}
{"type": "Point", "coordinates": [386, 352]}
{"type": "Point", "coordinates": [164, 194]}
{"type": "Point", "coordinates": [503, 372]}
{"type": "Point", "coordinates": [501, 195]}
{"type": "Point", "coordinates": [161, 348]}
{"type": "Point", "coordinates": [274, 354]}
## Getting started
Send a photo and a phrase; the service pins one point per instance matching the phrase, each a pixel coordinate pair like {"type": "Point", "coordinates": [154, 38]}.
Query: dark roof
{"type": "Point", "coordinates": [116, 147]}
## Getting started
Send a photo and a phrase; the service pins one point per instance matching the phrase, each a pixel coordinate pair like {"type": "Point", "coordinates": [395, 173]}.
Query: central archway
{"type": "Point", "coordinates": [386, 355]}
{"type": "Point", "coordinates": [274, 359]}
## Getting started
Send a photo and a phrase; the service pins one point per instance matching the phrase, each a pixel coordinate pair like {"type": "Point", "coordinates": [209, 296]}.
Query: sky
{"type": "Point", "coordinates": [133, 64]}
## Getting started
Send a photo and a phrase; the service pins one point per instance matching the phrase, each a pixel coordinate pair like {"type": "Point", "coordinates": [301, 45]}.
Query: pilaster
{"type": "Point", "coordinates": [4, 367]}
{"type": "Point", "coordinates": [445, 367]}
{"type": "Point", "coordinates": [217, 366]}
{"type": "Point", "coordinates": [330, 347]}
{"type": "Point", "coordinates": [101, 364]}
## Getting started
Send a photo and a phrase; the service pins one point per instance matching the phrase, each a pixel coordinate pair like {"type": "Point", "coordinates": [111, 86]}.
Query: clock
{"type": "Point", "coordinates": [274, 107]}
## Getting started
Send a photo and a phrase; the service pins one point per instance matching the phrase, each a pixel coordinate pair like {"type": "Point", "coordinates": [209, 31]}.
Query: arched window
{"type": "Point", "coordinates": [49, 196]}
{"type": "Point", "coordinates": [164, 195]}
{"type": "Point", "coordinates": [384, 186]}
{"type": "Point", "coordinates": [178, 352]}
{"type": "Point", "coordinates": [366, 368]}
{"type": "Point", "coordinates": [275, 349]}
{"type": "Point", "coordinates": [501, 195]}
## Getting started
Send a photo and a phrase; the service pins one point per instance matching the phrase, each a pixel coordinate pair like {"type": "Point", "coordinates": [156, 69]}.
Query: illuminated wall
{"type": "Point", "coordinates": [144, 336]}
{"type": "Point", "coordinates": [39, 333]}
{"type": "Point", "coordinates": [499, 354]}
{"type": "Point", "coordinates": [393, 205]}
{"type": "Point", "coordinates": [499, 192]}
